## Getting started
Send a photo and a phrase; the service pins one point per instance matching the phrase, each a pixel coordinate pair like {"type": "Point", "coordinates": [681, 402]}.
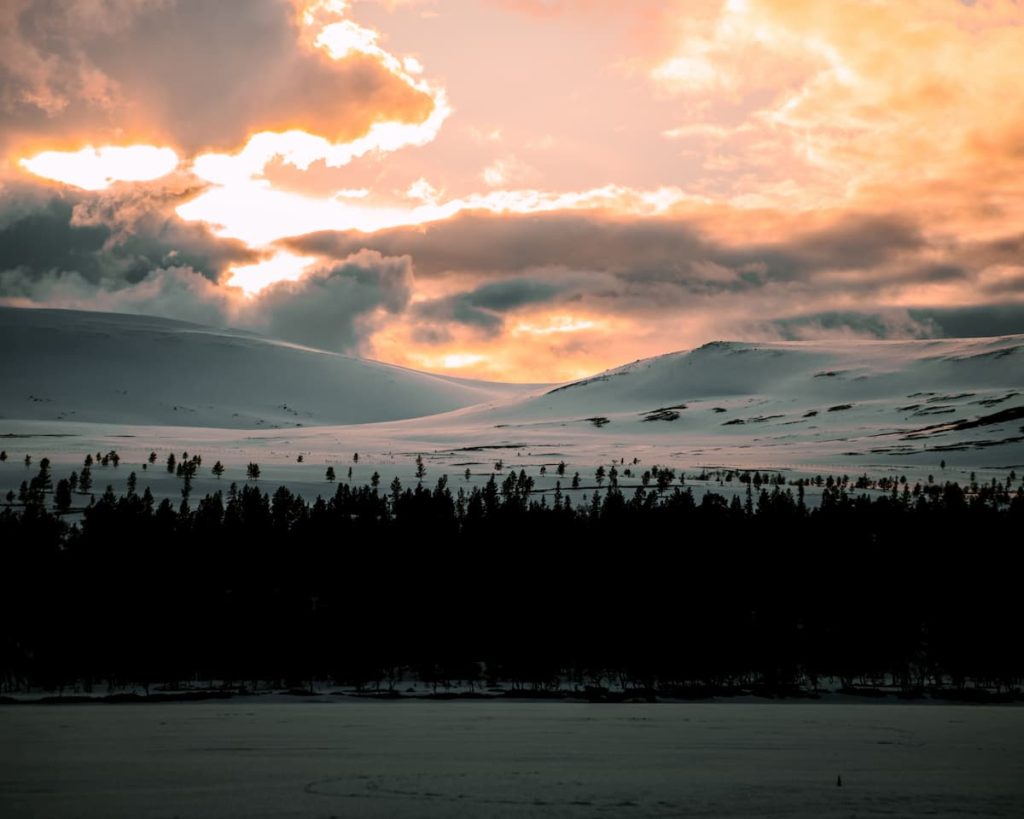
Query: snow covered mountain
{"type": "Point", "coordinates": [828, 399]}
{"type": "Point", "coordinates": [67, 365]}
{"type": "Point", "coordinates": [832, 404]}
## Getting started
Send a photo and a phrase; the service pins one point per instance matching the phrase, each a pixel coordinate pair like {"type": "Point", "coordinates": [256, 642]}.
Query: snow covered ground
{"type": "Point", "coordinates": [68, 365]}
{"type": "Point", "coordinates": [76, 383]}
{"type": "Point", "coordinates": [471, 759]}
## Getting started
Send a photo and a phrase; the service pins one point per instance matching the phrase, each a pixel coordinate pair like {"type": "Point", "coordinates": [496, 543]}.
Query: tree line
{"type": "Point", "coordinates": [652, 589]}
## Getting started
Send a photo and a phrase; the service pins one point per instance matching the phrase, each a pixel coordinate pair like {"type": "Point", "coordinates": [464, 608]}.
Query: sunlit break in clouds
{"type": "Point", "coordinates": [518, 189]}
{"type": "Point", "coordinates": [94, 169]}
{"type": "Point", "coordinates": [252, 278]}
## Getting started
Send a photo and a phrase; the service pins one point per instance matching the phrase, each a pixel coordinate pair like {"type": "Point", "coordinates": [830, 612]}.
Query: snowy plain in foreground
{"type": "Point", "coordinates": [469, 759]}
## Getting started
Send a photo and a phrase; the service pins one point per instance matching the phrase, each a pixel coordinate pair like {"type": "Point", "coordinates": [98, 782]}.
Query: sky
{"type": "Point", "coordinates": [520, 190]}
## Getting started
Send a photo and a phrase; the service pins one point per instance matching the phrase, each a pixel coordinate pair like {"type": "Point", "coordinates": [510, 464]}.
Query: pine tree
{"type": "Point", "coordinates": [252, 472]}
{"type": "Point", "coordinates": [330, 473]}
{"type": "Point", "coordinates": [664, 478]}
{"type": "Point", "coordinates": [43, 480]}
{"type": "Point", "coordinates": [171, 462]}
{"type": "Point", "coordinates": [218, 469]}
{"type": "Point", "coordinates": [132, 482]}
{"type": "Point", "coordinates": [62, 496]}
{"type": "Point", "coordinates": [421, 470]}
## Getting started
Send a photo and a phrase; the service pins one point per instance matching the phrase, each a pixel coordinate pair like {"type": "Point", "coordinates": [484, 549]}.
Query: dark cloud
{"type": "Point", "coordinates": [642, 249]}
{"type": "Point", "coordinates": [332, 308]}
{"type": "Point", "coordinates": [655, 267]}
{"type": "Point", "coordinates": [880, 324]}
{"type": "Point", "coordinates": [329, 308]}
{"type": "Point", "coordinates": [488, 244]}
{"type": "Point", "coordinates": [176, 292]}
{"type": "Point", "coordinates": [192, 73]}
{"type": "Point", "coordinates": [951, 322]}
{"type": "Point", "coordinates": [484, 306]}
{"type": "Point", "coordinates": [44, 240]}
{"type": "Point", "coordinates": [854, 243]}
{"type": "Point", "coordinates": [124, 250]}
{"type": "Point", "coordinates": [967, 322]}
{"type": "Point", "coordinates": [110, 238]}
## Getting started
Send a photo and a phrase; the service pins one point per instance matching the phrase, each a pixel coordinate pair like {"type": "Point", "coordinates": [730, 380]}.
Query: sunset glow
{"type": "Point", "coordinates": [252, 278]}
{"type": "Point", "coordinates": [94, 169]}
{"type": "Point", "coordinates": [671, 172]}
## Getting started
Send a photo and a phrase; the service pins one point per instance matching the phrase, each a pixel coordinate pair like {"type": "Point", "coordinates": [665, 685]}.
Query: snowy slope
{"type": "Point", "coordinates": [810, 375]}
{"type": "Point", "coordinates": [838, 402]}
{"type": "Point", "coordinates": [65, 365]}
{"type": "Point", "coordinates": [80, 382]}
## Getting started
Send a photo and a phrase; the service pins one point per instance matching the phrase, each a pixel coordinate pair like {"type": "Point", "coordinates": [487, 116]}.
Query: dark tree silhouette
{"type": "Point", "coordinates": [783, 595]}
{"type": "Point", "coordinates": [62, 496]}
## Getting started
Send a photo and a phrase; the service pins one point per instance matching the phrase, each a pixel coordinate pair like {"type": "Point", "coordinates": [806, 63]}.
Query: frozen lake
{"type": "Point", "coordinates": [503, 759]}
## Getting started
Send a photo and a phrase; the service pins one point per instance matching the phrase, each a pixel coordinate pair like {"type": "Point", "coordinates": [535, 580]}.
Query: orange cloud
{"type": "Point", "coordinates": [654, 175]}
{"type": "Point", "coordinates": [864, 99]}
{"type": "Point", "coordinates": [193, 75]}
